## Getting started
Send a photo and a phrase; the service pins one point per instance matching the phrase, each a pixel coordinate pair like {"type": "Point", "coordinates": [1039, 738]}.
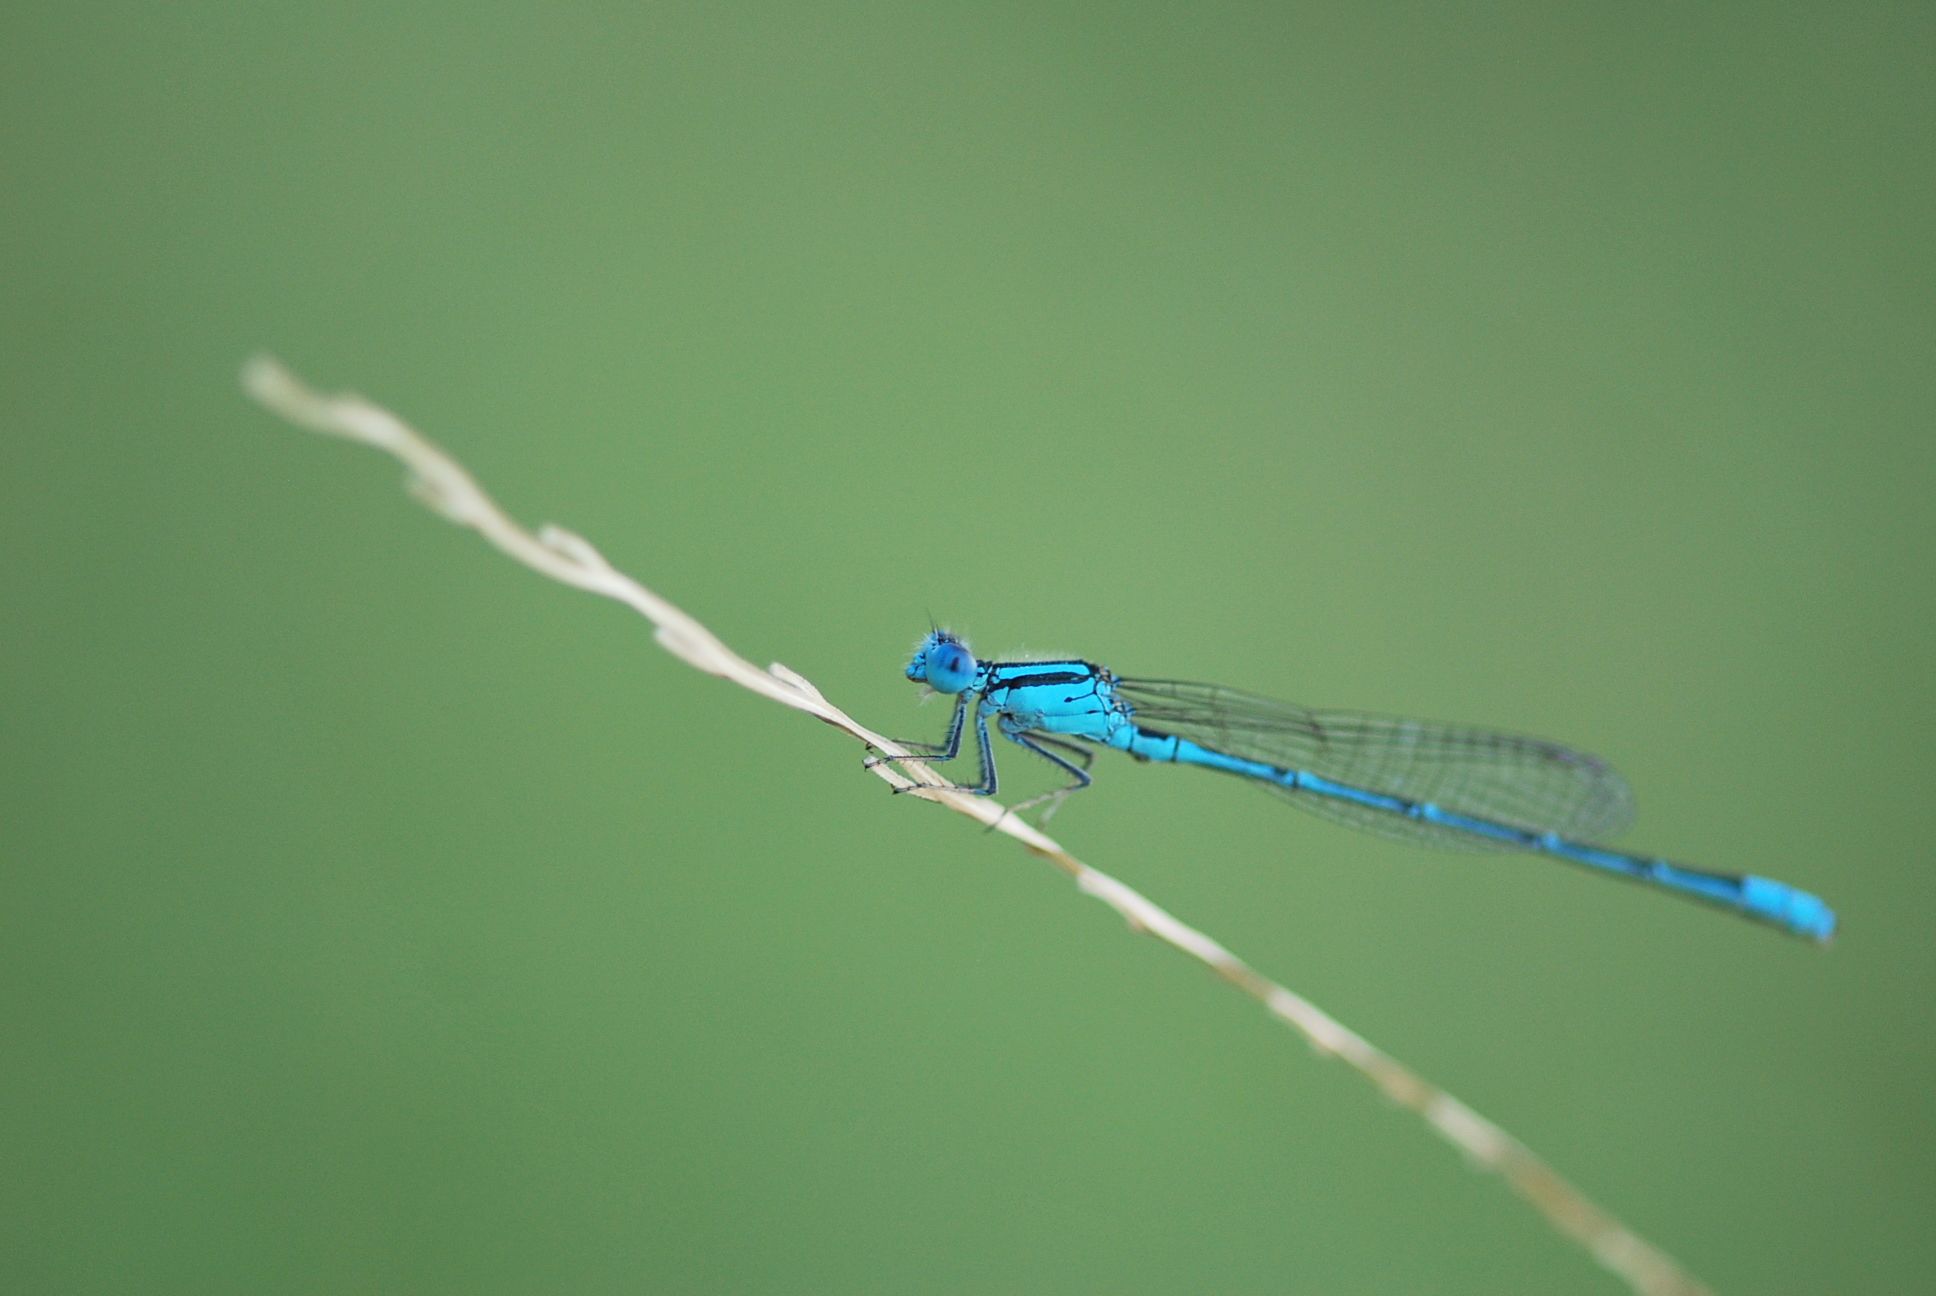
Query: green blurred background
{"type": "Point", "coordinates": [377, 917]}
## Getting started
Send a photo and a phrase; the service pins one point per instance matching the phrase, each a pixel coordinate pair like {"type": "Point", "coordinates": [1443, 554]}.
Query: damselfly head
{"type": "Point", "coordinates": [943, 663]}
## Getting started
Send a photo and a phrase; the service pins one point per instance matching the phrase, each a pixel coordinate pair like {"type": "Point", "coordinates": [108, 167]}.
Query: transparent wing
{"type": "Point", "coordinates": [1526, 782]}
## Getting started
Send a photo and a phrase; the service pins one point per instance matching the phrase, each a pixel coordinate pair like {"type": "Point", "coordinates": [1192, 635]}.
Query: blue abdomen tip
{"type": "Point", "coordinates": [1798, 911]}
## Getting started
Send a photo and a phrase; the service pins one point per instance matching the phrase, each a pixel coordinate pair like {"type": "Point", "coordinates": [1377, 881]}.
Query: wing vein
{"type": "Point", "coordinates": [1529, 783]}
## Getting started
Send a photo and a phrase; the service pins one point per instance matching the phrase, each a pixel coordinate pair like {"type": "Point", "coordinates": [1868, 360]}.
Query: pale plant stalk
{"type": "Point", "coordinates": [441, 483]}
